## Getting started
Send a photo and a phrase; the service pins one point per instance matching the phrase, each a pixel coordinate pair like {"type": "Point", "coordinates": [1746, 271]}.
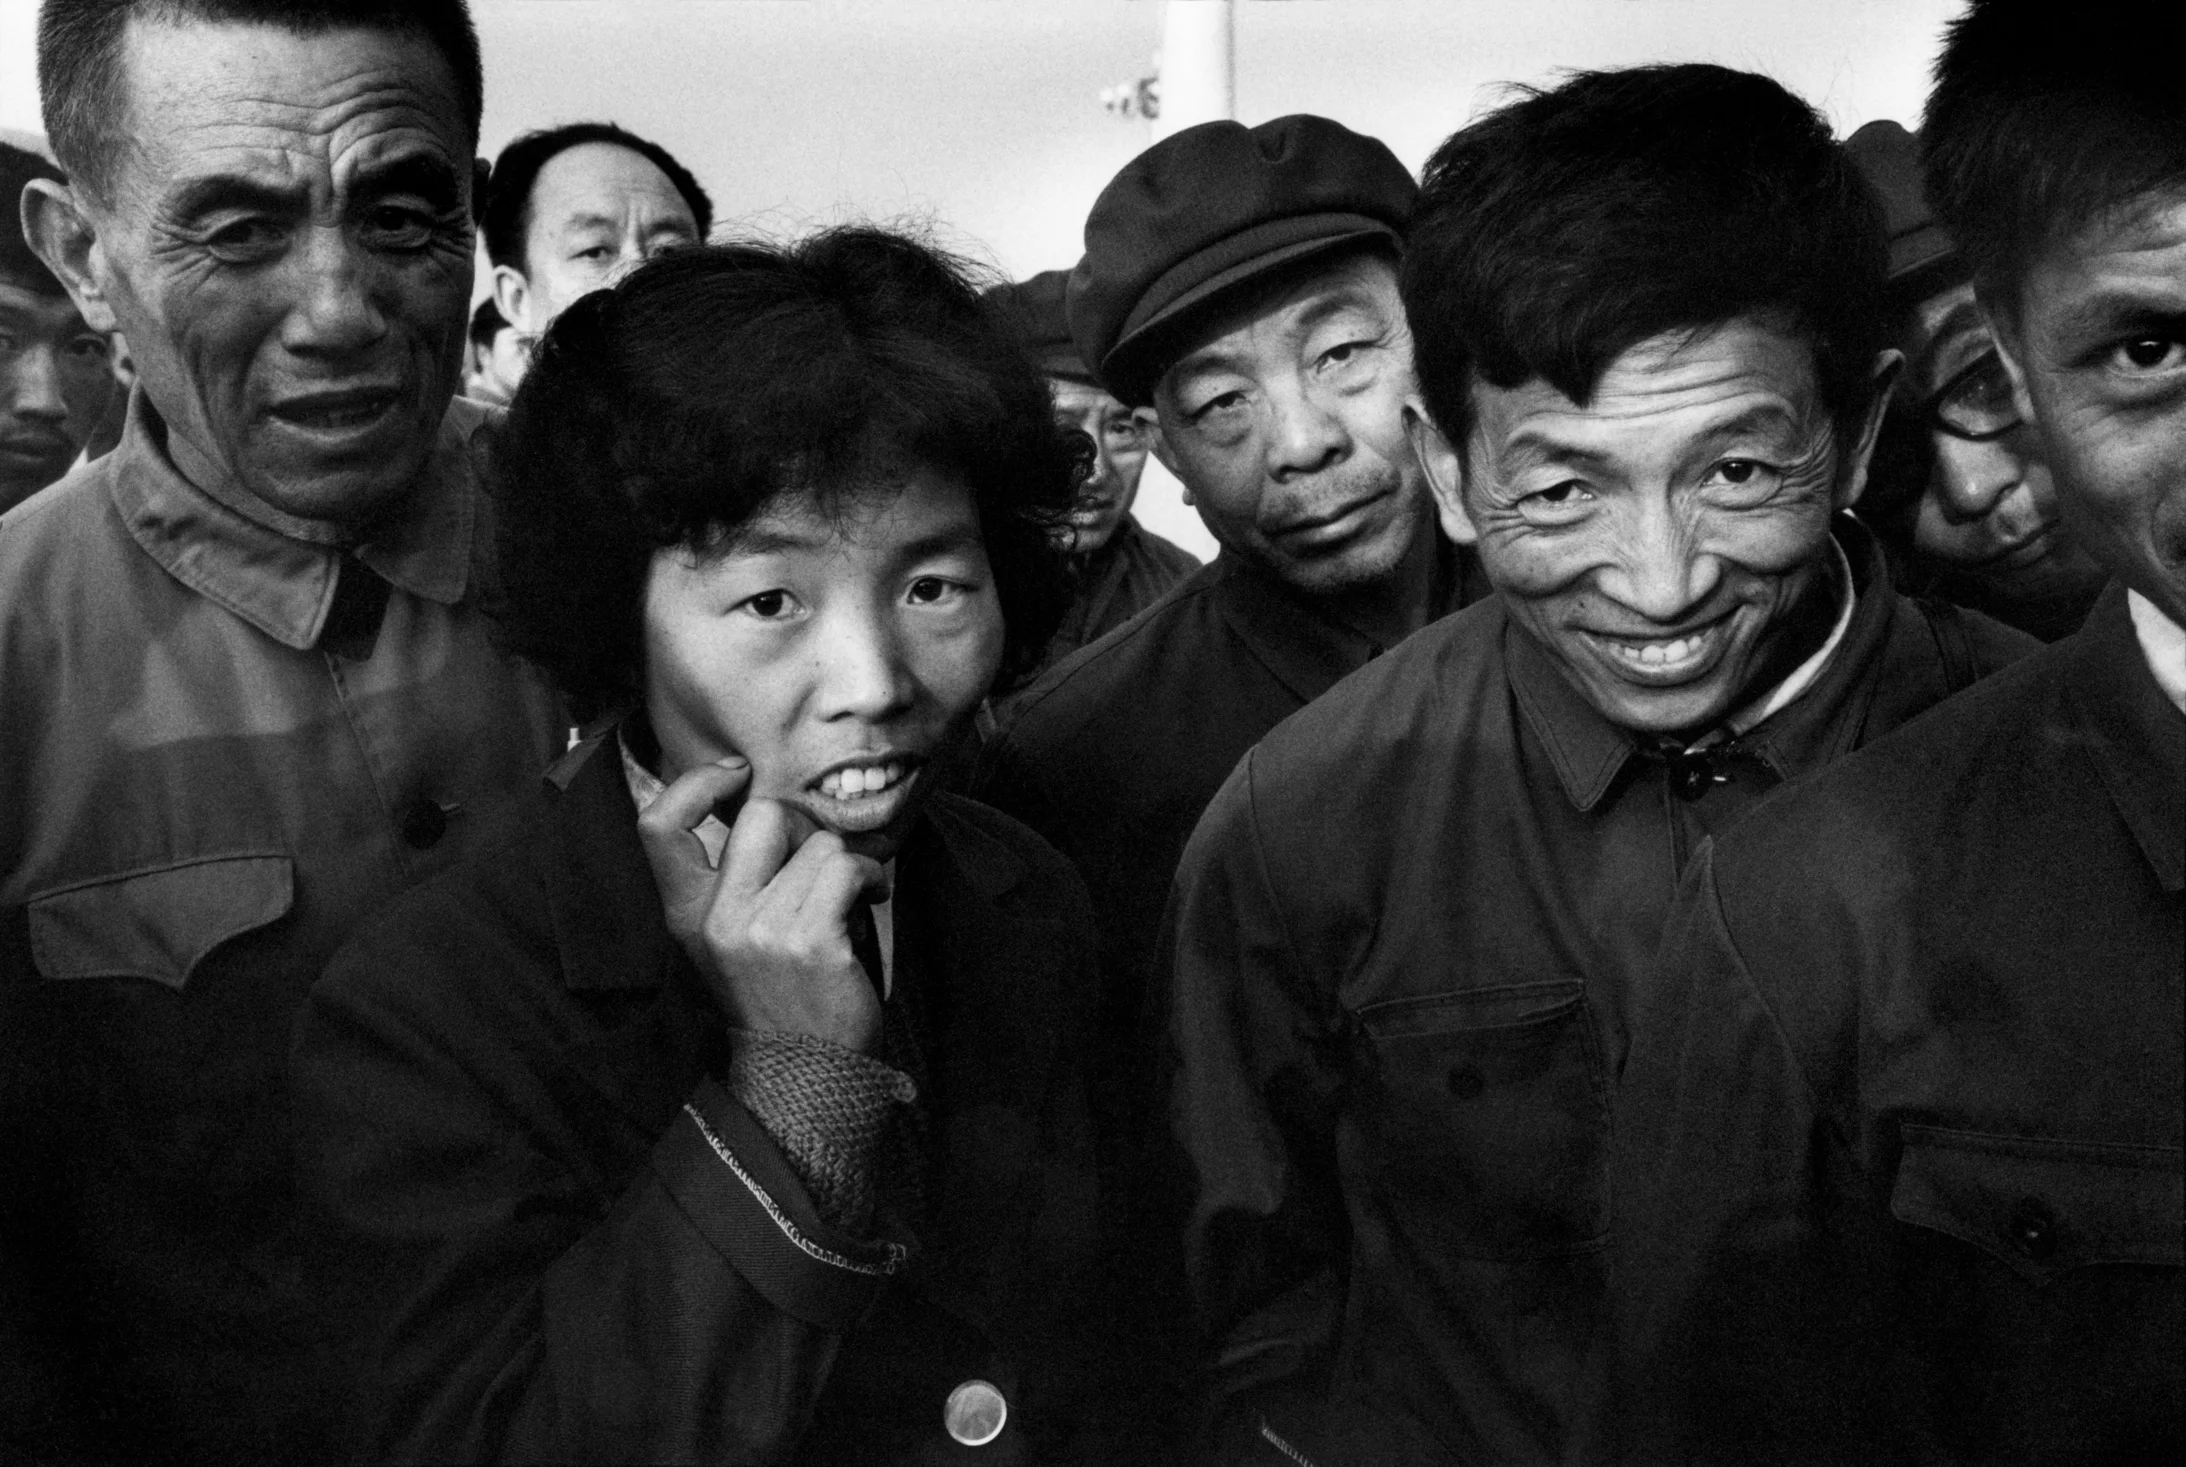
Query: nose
{"type": "Point", "coordinates": [1306, 437]}
{"type": "Point", "coordinates": [1659, 571]}
{"type": "Point", "coordinates": [1970, 478]}
{"type": "Point", "coordinates": [335, 311]}
{"type": "Point", "coordinates": [861, 672]}
{"type": "Point", "coordinates": [34, 384]}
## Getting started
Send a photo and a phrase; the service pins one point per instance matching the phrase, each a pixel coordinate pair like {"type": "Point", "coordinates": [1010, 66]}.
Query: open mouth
{"type": "Point", "coordinates": [860, 796]}
{"type": "Point", "coordinates": [337, 412]}
{"type": "Point", "coordinates": [1666, 661]}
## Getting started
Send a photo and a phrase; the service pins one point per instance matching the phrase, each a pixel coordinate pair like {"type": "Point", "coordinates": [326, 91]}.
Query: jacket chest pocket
{"type": "Point", "coordinates": [2044, 1207]}
{"type": "Point", "coordinates": [1481, 1118]}
{"type": "Point", "coordinates": [158, 923]}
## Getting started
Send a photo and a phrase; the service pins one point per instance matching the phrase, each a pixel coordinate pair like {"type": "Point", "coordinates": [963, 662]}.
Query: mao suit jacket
{"type": "Point", "coordinates": [571, 1245]}
{"type": "Point", "coordinates": [1899, 1164]}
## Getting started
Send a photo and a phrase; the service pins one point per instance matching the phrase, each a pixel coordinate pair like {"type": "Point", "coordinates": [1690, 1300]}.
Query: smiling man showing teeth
{"type": "Point", "coordinates": [738, 1093]}
{"type": "Point", "coordinates": [1409, 928]}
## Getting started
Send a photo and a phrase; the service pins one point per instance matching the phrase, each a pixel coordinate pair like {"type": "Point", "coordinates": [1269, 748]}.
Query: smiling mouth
{"type": "Point", "coordinates": [1666, 661]}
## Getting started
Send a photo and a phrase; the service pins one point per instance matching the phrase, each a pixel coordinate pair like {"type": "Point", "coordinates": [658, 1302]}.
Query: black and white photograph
{"type": "Point", "coordinates": [1093, 733]}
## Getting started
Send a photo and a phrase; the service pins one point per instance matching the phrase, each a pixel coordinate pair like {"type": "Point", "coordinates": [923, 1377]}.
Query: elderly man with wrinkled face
{"type": "Point", "coordinates": [249, 691]}
{"type": "Point", "coordinates": [1408, 930]}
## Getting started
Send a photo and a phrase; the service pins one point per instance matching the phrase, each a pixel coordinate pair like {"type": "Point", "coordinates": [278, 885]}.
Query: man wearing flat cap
{"type": "Point", "coordinates": [1962, 499]}
{"type": "Point", "coordinates": [1239, 291]}
{"type": "Point", "coordinates": [1119, 567]}
{"type": "Point", "coordinates": [1410, 927]}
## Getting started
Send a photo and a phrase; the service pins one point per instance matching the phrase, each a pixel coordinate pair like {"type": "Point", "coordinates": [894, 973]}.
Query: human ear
{"type": "Point", "coordinates": [1149, 422]}
{"type": "Point", "coordinates": [512, 297]}
{"type": "Point", "coordinates": [1444, 467]}
{"type": "Point", "coordinates": [1852, 475]}
{"type": "Point", "coordinates": [63, 236]}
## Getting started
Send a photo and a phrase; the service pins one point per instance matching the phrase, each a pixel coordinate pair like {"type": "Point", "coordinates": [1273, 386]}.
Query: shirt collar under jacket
{"type": "Point", "coordinates": [1786, 728]}
{"type": "Point", "coordinates": [2163, 643]}
{"type": "Point", "coordinates": [281, 585]}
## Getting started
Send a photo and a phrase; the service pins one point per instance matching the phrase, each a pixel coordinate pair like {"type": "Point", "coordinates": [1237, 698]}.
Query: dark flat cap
{"type": "Point", "coordinates": [1210, 208]}
{"type": "Point", "coordinates": [18, 266]}
{"type": "Point", "coordinates": [1923, 258]}
{"type": "Point", "coordinates": [1036, 306]}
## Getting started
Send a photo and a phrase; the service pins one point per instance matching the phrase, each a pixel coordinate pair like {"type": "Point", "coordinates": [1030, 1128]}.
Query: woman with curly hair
{"type": "Point", "coordinates": [729, 1110]}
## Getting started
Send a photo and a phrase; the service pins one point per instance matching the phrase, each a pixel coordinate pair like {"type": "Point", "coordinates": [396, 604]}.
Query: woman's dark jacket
{"type": "Point", "coordinates": [568, 1243]}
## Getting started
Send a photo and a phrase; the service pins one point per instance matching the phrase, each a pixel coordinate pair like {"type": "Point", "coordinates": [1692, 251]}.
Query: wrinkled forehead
{"type": "Point", "coordinates": [278, 105]}
{"type": "Point", "coordinates": [1752, 376]}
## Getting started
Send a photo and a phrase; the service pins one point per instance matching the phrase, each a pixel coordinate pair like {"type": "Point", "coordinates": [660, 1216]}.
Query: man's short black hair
{"type": "Point", "coordinates": [18, 266]}
{"type": "Point", "coordinates": [674, 407]}
{"type": "Point", "coordinates": [506, 218]}
{"type": "Point", "coordinates": [1563, 229]}
{"type": "Point", "coordinates": [82, 88]}
{"type": "Point", "coordinates": [487, 322]}
{"type": "Point", "coordinates": [2045, 116]}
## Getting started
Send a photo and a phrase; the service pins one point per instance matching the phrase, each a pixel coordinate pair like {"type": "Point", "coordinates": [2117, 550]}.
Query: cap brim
{"type": "Point", "coordinates": [1324, 232]}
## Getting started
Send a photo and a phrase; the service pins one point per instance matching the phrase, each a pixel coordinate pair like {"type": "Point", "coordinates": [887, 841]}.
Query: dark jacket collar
{"type": "Point", "coordinates": [278, 583]}
{"type": "Point", "coordinates": [2132, 734]}
{"type": "Point", "coordinates": [1588, 751]}
{"type": "Point", "coordinates": [606, 909]}
{"type": "Point", "coordinates": [1305, 648]}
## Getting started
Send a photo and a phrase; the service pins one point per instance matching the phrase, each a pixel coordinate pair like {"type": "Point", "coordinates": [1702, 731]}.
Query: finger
{"type": "Point", "coordinates": [667, 828]}
{"type": "Point", "coordinates": [759, 843]}
{"type": "Point", "coordinates": [840, 883]}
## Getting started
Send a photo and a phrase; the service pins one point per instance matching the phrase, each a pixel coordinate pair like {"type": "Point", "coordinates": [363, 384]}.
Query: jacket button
{"type": "Point", "coordinates": [423, 824]}
{"type": "Point", "coordinates": [975, 1413]}
{"type": "Point", "coordinates": [1465, 1083]}
{"type": "Point", "coordinates": [2034, 1230]}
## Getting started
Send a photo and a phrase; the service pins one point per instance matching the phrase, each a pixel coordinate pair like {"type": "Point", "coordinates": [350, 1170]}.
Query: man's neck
{"type": "Point", "coordinates": [1388, 610]}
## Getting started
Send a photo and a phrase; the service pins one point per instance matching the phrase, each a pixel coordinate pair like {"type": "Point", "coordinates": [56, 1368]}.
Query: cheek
{"type": "Point", "coordinates": [1523, 560]}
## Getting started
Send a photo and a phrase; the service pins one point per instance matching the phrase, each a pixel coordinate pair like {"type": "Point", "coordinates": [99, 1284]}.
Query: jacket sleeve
{"type": "Point", "coordinates": [524, 1308]}
{"type": "Point", "coordinates": [1750, 1288]}
{"type": "Point", "coordinates": [1256, 1057]}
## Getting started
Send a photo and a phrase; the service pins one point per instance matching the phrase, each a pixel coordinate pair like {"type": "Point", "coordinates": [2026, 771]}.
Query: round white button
{"type": "Point", "coordinates": [975, 1413]}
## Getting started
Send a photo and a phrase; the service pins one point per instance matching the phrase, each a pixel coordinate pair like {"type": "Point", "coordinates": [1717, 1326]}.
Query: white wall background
{"type": "Point", "coordinates": [981, 117]}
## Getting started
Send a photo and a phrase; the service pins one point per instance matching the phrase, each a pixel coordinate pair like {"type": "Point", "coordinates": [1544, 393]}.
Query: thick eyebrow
{"type": "Point", "coordinates": [1335, 304]}
{"type": "Point", "coordinates": [2112, 312]}
{"type": "Point", "coordinates": [424, 174]}
{"type": "Point", "coordinates": [1955, 322]}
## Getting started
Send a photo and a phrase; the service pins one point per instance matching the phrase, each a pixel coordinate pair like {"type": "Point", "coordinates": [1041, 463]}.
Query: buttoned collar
{"type": "Point", "coordinates": [1295, 638]}
{"type": "Point", "coordinates": [1795, 726]}
{"type": "Point", "coordinates": [282, 585]}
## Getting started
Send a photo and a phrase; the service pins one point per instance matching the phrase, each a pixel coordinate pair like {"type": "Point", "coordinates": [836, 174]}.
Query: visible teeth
{"type": "Point", "coordinates": [860, 779]}
{"type": "Point", "coordinates": [1656, 654]}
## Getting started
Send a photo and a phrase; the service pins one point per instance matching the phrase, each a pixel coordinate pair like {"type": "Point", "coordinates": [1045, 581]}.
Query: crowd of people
{"type": "Point", "coordinates": [657, 869]}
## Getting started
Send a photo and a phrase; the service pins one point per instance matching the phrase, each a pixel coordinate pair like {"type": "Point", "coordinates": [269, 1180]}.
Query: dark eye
{"type": "Point", "coordinates": [927, 590]}
{"type": "Point", "coordinates": [593, 252]}
{"type": "Point", "coordinates": [1222, 402]}
{"type": "Point", "coordinates": [768, 605]}
{"type": "Point", "coordinates": [1737, 470]}
{"type": "Point", "coordinates": [247, 240]}
{"type": "Point", "coordinates": [88, 348]}
{"type": "Point", "coordinates": [2151, 353]}
{"type": "Point", "coordinates": [396, 228]}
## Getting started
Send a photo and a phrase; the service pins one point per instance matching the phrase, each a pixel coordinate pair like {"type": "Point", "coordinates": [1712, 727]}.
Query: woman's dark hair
{"type": "Point", "coordinates": [1560, 231]}
{"type": "Point", "coordinates": [673, 408]}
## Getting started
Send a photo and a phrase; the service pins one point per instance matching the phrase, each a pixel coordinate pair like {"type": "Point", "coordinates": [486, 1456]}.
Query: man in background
{"type": "Point", "coordinates": [1120, 568]}
{"type": "Point", "coordinates": [497, 356]}
{"type": "Point", "coordinates": [1962, 499]}
{"type": "Point", "coordinates": [569, 209]}
{"type": "Point", "coordinates": [248, 686]}
{"type": "Point", "coordinates": [1239, 292]}
{"type": "Point", "coordinates": [55, 379]}
{"type": "Point", "coordinates": [1900, 1143]}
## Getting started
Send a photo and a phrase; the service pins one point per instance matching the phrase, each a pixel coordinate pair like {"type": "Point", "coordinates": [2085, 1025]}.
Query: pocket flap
{"type": "Point", "coordinates": [158, 923]}
{"type": "Point", "coordinates": [2044, 1207]}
